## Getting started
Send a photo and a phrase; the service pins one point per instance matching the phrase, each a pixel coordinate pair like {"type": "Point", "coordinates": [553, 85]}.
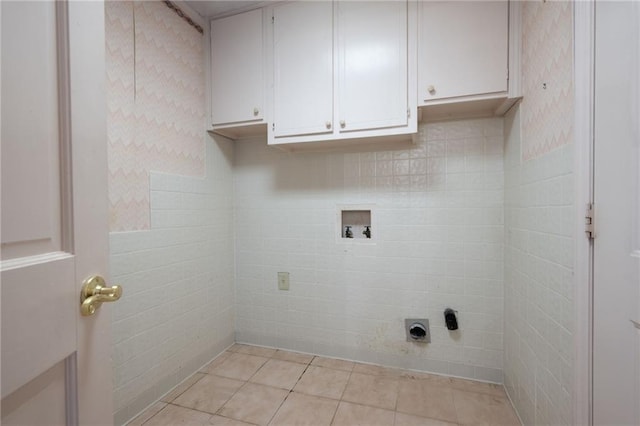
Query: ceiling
{"type": "Point", "coordinates": [217, 8]}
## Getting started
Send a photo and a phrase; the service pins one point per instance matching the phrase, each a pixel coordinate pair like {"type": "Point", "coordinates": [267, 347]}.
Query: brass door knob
{"type": "Point", "coordinates": [95, 292]}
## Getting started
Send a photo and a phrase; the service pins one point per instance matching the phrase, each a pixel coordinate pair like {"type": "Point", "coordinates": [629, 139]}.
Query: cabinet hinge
{"type": "Point", "coordinates": [273, 126]}
{"type": "Point", "coordinates": [273, 19]}
{"type": "Point", "coordinates": [408, 112]}
{"type": "Point", "coordinates": [590, 222]}
{"type": "Point", "coordinates": [507, 74]}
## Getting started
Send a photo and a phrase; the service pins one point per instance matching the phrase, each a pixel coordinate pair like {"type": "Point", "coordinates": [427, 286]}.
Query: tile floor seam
{"type": "Point", "coordinates": [345, 386]}
{"type": "Point", "coordinates": [256, 372]}
{"type": "Point", "coordinates": [287, 397]}
{"type": "Point", "coordinates": [290, 392]}
{"type": "Point", "coordinates": [219, 410]}
{"type": "Point", "coordinates": [395, 404]}
{"type": "Point", "coordinates": [455, 406]}
{"type": "Point", "coordinates": [246, 382]}
{"type": "Point", "coordinates": [150, 407]}
{"type": "Point", "coordinates": [186, 389]}
{"type": "Point", "coordinates": [316, 367]}
{"type": "Point", "coordinates": [353, 401]}
{"type": "Point", "coordinates": [333, 418]}
{"type": "Point", "coordinates": [275, 413]}
{"type": "Point", "coordinates": [454, 388]}
{"type": "Point", "coordinates": [366, 405]}
{"type": "Point", "coordinates": [159, 411]}
{"type": "Point", "coordinates": [299, 378]}
{"type": "Point", "coordinates": [231, 418]}
{"type": "Point", "coordinates": [192, 409]}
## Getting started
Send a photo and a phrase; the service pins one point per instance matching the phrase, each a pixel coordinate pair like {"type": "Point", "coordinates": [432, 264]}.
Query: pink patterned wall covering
{"type": "Point", "coordinates": [155, 97]}
{"type": "Point", "coordinates": [547, 59]}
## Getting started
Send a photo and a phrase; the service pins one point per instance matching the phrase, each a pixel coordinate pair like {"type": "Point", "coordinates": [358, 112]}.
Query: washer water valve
{"type": "Point", "coordinates": [348, 233]}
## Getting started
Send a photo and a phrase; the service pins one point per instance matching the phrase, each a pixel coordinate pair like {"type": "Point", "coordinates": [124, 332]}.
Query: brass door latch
{"type": "Point", "coordinates": [95, 292]}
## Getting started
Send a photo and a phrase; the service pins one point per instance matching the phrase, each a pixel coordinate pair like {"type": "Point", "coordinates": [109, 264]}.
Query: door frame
{"type": "Point", "coordinates": [88, 132]}
{"type": "Point", "coordinates": [584, 67]}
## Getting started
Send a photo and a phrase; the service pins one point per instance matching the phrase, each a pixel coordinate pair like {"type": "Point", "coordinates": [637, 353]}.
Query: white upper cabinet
{"type": "Point", "coordinates": [237, 70]}
{"type": "Point", "coordinates": [321, 71]}
{"type": "Point", "coordinates": [372, 65]}
{"type": "Point", "coordinates": [303, 68]}
{"type": "Point", "coordinates": [343, 70]}
{"type": "Point", "coordinates": [463, 50]}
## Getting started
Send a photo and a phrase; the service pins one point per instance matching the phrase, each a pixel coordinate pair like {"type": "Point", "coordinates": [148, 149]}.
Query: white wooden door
{"type": "Point", "coordinates": [303, 68]}
{"type": "Point", "coordinates": [55, 363]}
{"type": "Point", "coordinates": [616, 338]}
{"type": "Point", "coordinates": [462, 48]}
{"type": "Point", "coordinates": [237, 69]}
{"type": "Point", "coordinates": [372, 65]}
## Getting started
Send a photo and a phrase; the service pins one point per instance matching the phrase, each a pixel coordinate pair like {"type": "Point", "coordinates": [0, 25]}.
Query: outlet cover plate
{"type": "Point", "coordinates": [283, 281]}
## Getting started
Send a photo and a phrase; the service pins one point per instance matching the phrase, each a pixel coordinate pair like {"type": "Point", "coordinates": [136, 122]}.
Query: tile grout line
{"type": "Point", "coordinates": [192, 409]}
{"type": "Point", "coordinates": [395, 405]}
{"type": "Point", "coordinates": [290, 391]}
{"type": "Point", "coordinates": [341, 396]}
{"type": "Point", "coordinates": [202, 374]}
{"type": "Point", "coordinates": [346, 385]}
{"type": "Point", "coordinates": [171, 402]}
{"type": "Point", "coordinates": [455, 407]}
{"type": "Point", "coordinates": [200, 411]}
{"type": "Point", "coordinates": [159, 411]}
{"type": "Point", "coordinates": [248, 381]}
{"type": "Point", "coordinates": [218, 411]}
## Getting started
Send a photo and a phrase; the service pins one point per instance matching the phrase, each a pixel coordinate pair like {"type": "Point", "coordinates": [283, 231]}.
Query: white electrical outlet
{"type": "Point", "coordinates": [283, 281]}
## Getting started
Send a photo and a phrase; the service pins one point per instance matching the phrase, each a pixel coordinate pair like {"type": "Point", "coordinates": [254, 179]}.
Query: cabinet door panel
{"type": "Point", "coordinates": [237, 68]}
{"type": "Point", "coordinates": [372, 65]}
{"type": "Point", "coordinates": [303, 68]}
{"type": "Point", "coordinates": [463, 49]}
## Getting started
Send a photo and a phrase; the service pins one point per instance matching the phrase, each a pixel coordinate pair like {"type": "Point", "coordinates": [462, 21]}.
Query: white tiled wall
{"type": "Point", "coordinates": [538, 280]}
{"type": "Point", "coordinates": [438, 226]}
{"type": "Point", "coordinates": [177, 308]}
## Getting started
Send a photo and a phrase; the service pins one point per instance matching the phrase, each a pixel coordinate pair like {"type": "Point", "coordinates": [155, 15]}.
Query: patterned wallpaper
{"type": "Point", "coordinates": [547, 76]}
{"type": "Point", "coordinates": [155, 98]}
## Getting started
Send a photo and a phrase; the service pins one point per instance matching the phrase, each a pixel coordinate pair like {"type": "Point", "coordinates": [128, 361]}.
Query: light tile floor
{"type": "Point", "coordinates": [250, 385]}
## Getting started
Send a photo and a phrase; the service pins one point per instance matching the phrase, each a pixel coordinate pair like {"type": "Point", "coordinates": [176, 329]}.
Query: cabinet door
{"type": "Point", "coordinates": [237, 69]}
{"type": "Point", "coordinates": [303, 68]}
{"type": "Point", "coordinates": [463, 49]}
{"type": "Point", "coordinates": [372, 65]}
